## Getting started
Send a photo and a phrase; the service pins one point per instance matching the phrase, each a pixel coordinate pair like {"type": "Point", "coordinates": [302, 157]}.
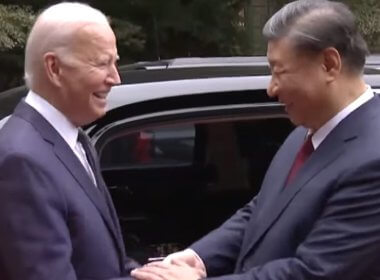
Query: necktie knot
{"type": "Point", "coordinates": [82, 138]}
{"type": "Point", "coordinates": [302, 155]}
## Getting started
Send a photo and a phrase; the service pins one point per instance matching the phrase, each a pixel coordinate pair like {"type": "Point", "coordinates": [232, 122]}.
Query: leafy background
{"type": "Point", "coordinates": [162, 29]}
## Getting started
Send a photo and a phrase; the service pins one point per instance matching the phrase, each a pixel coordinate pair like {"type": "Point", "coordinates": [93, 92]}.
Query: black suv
{"type": "Point", "coordinates": [185, 143]}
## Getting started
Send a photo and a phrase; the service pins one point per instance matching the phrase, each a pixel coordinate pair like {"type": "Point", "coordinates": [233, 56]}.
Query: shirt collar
{"type": "Point", "coordinates": [324, 130]}
{"type": "Point", "coordinates": [65, 128]}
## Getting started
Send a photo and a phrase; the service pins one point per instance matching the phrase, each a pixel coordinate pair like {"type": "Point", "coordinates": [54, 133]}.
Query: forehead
{"type": "Point", "coordinates": [280, 49]}
{"type": "Point", "coordinates": [90, 38]}
{"type": "Point", "coordinates": [284, 51]}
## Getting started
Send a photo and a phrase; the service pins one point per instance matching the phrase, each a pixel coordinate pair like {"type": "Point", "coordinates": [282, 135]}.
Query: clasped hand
{"type": "Point", "coordinates": [177, 266]}
{"type": "Point", "coordinates": [176, 270]}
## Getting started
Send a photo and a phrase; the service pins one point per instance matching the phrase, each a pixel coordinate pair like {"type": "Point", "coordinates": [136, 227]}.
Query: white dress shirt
{"type": "Point", "coordinates": [67, 130]}
{"type": "Point", "coordinates": [325, 129]}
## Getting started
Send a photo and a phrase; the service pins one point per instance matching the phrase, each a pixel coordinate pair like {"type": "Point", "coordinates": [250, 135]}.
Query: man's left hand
{"type": "Point", "coordinates": [164, 271]}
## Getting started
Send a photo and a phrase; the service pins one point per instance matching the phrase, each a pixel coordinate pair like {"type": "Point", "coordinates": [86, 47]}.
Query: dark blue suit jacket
{"type": "Point", "coordinates": [54, 222]}
{"type": "Point", "coordinates": [325, 224]}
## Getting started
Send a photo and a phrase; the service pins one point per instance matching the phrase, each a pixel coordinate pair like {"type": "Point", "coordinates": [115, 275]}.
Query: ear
{"type": "Point", "coordinates": [332, 63]}
{"type": "Point", "coordinates": [52, 68]}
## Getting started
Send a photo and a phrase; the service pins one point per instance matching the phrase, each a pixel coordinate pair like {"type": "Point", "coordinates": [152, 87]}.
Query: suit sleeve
{"type": "Point", "coordinates": [344, 242]}
{"type": "Point", "coordinates": [34, 238]}
{"type": "Point", "coordinates": [220, 248]}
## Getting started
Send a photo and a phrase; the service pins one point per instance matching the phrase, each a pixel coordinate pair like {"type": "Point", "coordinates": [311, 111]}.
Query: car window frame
{"type": "Point", "coordinates": [198, 114]}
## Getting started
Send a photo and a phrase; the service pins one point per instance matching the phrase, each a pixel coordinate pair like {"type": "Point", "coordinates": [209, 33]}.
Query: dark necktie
{"type": "Point", "coordinates": [93, 161]}
{"type": "Point", "coordinates": [303, 154]}
{"type": "Point", "coordinates": [84, 140]}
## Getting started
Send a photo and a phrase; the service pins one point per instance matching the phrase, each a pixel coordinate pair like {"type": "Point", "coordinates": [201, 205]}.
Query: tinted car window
{"type": "Point", "coordinates": [150, 148]}
{"type": "Point", "coordinates": [187, 179]}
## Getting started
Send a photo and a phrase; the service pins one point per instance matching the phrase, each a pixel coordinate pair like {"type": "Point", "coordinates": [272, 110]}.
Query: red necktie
{"type": "Point", "coordinates": [305, 151]}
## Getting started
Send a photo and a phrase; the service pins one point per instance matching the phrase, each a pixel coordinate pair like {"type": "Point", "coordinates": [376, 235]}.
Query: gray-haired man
{"type": "Point", "coordinates": [57, 221]}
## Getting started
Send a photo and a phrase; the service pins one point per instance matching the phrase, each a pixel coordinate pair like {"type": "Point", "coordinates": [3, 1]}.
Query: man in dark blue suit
{"type": "Point", "coordinates": [317, 215]}
{"type": "Point", "coordinates": [57, 220]}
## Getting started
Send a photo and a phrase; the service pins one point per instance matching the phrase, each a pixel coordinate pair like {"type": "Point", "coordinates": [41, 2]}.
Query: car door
{"type": "Point", "coordinates": [177, 174]}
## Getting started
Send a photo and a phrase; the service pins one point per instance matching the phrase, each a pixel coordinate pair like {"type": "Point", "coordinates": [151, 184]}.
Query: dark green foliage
{"type": "Point", "coordinates": [15, 22]}
{"type": "Point", "coordinates": [174, 28]}
{"type": "Point", "coordinates": [368, 13]}
{"type": "Point", "coordinates": [159, 29]}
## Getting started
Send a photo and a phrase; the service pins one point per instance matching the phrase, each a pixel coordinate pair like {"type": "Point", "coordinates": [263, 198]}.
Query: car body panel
{"type": "Point", "coordinates": [184, 144]}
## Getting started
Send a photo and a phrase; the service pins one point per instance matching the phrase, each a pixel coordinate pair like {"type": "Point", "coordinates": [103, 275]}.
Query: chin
{"type": "Point", "coordinates": [98, 111]}
{"type": "Point", "coordinates": [294, 120]}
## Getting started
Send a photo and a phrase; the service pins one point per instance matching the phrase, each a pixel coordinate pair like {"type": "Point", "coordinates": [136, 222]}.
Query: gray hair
{"type": "Point", "coordinates": [53, 30]}
{"type": "Point", "coordinates": [315, 25]}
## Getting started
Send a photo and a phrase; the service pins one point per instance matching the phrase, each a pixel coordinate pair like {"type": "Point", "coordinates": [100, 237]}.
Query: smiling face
{"type": "Point", "coordinates": [87, 71]}
{"type": "Point", "coordinates": [299, 82]}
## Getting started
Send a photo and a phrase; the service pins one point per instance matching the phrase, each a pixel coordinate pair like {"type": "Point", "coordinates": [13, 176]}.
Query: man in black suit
{"type": "Point", "coordinates": [317, 215]}
{"type": "Point", "coordinates": [57, 220]}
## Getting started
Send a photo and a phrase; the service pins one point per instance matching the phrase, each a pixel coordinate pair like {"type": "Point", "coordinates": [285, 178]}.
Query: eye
{"type": "Point", "coordinates": [106, 62]}
{"type": "Point", "coordinates": [103, 63]}
{"type": "Point", "coordinates": [278, 71]}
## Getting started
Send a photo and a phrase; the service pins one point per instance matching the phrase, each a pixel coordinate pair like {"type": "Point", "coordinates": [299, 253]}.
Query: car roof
{"type": "Point", "coordinates": [193, 68]}
{"type": "Point", "coordinates": [133, 93]}
{"type": "Point", "coordinates": [186, 62]}
{"type": "Point", "coordinates": [152, 80]}
{"type": "Point", "coordinates": [373, 61]}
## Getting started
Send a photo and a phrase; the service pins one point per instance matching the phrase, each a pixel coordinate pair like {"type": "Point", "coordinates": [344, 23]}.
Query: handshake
{"type": "Point", "coordinates": [183, 265]}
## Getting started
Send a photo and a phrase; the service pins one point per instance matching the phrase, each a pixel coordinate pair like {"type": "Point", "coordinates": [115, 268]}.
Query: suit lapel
{"type": "Point", "coordinates": [288, 156]}
{"type": "Point", "coordinates": [326, 153]}
{"type": "Point", "coordinates": [329, 150]}
{"type": "Point", "coordinates": [105, 194]}
{"type": "Point", "coordinates": [72, 164]}
{"type": "Point", "coordinates": [320, 159]}
{"type": "Point", "coordinates": [99, 195]}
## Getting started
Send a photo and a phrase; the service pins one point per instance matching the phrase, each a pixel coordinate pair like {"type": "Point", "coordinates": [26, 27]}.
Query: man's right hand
{"type": "Point", "coordinates": [187, 256]}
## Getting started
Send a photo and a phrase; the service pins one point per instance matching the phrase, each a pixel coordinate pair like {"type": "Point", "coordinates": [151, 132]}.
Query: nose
{"type": "Point", "coordinates": [113, 77]}
{"type": "Point", "coordinates": [272, 88]}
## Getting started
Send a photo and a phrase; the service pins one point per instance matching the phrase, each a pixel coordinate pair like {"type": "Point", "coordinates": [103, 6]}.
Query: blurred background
{"type": "Point", "coordinates": [163, 29]}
